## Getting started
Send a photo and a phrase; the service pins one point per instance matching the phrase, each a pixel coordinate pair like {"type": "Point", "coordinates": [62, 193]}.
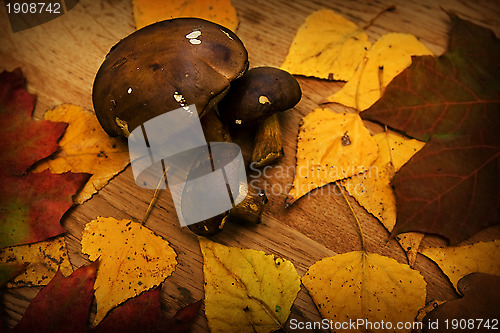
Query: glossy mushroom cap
{"type": "Point", "coordinates": [259, 94]}
{"type": "Point", "coordinates": [165, 66]}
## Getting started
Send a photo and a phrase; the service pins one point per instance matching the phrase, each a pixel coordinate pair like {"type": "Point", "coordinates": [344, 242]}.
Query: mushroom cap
{"type": "Point", "coordinates": [164, 66]}
{"type": "Point", "coordinates": [258, 94]}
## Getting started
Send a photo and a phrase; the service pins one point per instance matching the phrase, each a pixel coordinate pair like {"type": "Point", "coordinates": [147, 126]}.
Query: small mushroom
{"type": "Point", "coordinates": [259, 94]}
{"type": "Point", "coordinates": [165, 66]}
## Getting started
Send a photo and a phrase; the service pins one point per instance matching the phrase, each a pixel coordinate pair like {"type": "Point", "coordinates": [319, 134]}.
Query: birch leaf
{"type": "Point", "coordinates": [373, 191]}
{"type": "Point", "coordinates": [330, 146]}
{"type": "Point", "coordinates": [43, 260]}
{"type": "Point", "coordinates": [132, 260]}
{"type": "Point", "coordinates": [388, 57]}
{"type": "Point", "coordinates": [327, 46]}
{"type": "Point", "coordinates": [246, 290]}
{"type": "Point", "coordinates": [457, 262]}
{"type": "Point", "coordinates": [85, 147]}
{"type": "Point", "coordinates": [365, 286]}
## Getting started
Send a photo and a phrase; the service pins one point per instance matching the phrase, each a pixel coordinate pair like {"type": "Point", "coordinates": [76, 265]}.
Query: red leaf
{"type": "Point", "coordinates": [24, 140]}
{"type": "Point", "coordinates": [31, 205]}
{"type": "Point", "coordinates": [477, 311]}
{"type": "Point", "coordinates": [452, 186]}
{"type": "Point", "coordinates": [139, 314]}
{"type": "Point", "coordinates": [63, 305]}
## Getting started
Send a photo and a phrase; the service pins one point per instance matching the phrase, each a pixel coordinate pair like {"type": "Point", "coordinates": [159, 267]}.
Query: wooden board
{"type": "Point", "coordinates": [61, 57]}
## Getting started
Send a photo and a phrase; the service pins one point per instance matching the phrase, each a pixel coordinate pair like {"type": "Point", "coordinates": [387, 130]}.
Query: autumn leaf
{"type": "Point", "coordinates": [372, 188]}
{"type": "Point", "coordinates": [327, 46]}
{"type": "Point", "coordinates": [61, 306]}
{"type": "Point", "coordinates": [43, 260]}
{"type": "Point", "coordinates": [132, 260]}
{"type": "Point", "coordinates": [451, 187]}
{"type": "Point", "coordinates": [330, 146]}
{"type": "Point", "coordinates": [246, 290]}
{"type": "Point", "coordinates": [9, 271]}
{"type": "Point", "coordinates": [457, 262]}
{"type": "Point", "coordinates": [365, 286]}
{"type": "Point", "coordinates": [479, 306]}
{"type": "Point", "coordinates": [219, 11]}
{"type": "Point", "coordinates": [31, 205]}
{"type": "Point", "coordinates": [85, 147]}
{"type": "Point", "coordinates": [388, 57]}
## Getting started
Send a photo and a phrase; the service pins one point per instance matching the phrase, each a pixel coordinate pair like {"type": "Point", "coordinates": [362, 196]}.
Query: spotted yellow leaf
{"type": "Point", "coordinates": [132, 260]}
{"type": "Point", "coordinates": [330, 146]}
{"type": "Point", "coordinates": [219, 11]}
{"type": "Point", "coordinates": [327, 46]}
{"type": "Point", "coordinates": [246, 290]}
{"type": "Point", "coordinates": [459, 261]}
{"type": "Point", "coordinates": [373, 191]}
{"type": "Point", "coordinates": [365, 286]}
{"type": "Point", "coordinates": [43, 260]}
{"type": "Point", "coordinates": [388, 57]}
{"type": "Point", "coordinates": [85, 147]}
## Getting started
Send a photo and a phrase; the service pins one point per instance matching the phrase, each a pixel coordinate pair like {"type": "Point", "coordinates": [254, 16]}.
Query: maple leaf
{"type": "Point", "coordinates": [327, 46]}
{"type": "Point", "coordinates": [43, 260]}
{"type": "Point", "coordinates": [457, 262]}
{"type": "Point", "coordinates": [355, 285]}
{"type": "Point", "coordinates": [85, 148]}
{"type": "Point", "coordinates": [480, 303]}
{"type": "Point", "coordinates": [132, 260]}
{"type": "Point", "coordinates": [31, 205]}
{"type": "Point", "coordinates": [330, 146]}
{"type": "Point", "coordinates": [452, 186]}
{"type": "Point", "coordinates": [219, 11]}
{"type": "Point", "coordinates": [246, 290]}
{"type": "Point", "coordinates": [63, 305]}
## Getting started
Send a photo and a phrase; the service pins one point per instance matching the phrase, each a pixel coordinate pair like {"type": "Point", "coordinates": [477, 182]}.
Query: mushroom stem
{"type": "Point", "coordinates": [268, 145]}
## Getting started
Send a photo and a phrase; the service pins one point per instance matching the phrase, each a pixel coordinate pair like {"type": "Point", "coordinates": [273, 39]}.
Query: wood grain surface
{"type": "Point", "coordinates": [61, 57]}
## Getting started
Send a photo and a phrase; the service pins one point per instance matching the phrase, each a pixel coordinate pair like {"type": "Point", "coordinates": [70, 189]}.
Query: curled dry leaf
{"type": "Point", "coordinates": [457, 262]}
{"type": "Point", "coordinates": [246, 290]}
{"type": "Point", "coordinates": [327, 46]}
{"type": "Point", "coordinates": [219, 11]}
{"type": "Point", "coordinates": [388, 57]}
{"type": "Point", "coordinates": [132, 260]}
{"type": "Point", "coordinates": [361, 285]}
{"type": "Point", "coordinates": [43, 260]}
{"type": "Point", "coordinates": [373, 191]}
{"type": "Point", "coordinates": [330, 146]}
{"type": "Point", "coordinates": [85, 147]}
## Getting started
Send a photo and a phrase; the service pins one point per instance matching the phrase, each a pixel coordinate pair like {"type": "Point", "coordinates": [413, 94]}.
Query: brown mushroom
{"type": "Point", "coordinates": [259, 94]}
{"type": "Point", "coordinates": [165, 66]}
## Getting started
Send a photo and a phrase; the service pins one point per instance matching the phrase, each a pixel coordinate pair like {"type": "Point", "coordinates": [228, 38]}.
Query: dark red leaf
{"type": "Point", "coordinates": [139, 314]}
{"type": "Point", "coordinates": [63, 305]}
{"type": "Point", "coordinates": [182, 320]}
{"type": "Point", "coordinates": [477, 311]}
{"type": "Point", "coordinates": [452, 186]}
{"type": "Point", "coordinates": [24, 140]}
{"type": "Point", "coordinates": [31, 205]}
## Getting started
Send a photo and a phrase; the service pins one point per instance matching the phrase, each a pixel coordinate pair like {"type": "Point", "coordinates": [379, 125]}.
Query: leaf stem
{"type": "Point", "coordinates": [373, 19]}
{"type": "Point", "coordinates": [362, 237]}
{"type": "Point", "coordinates": [153, 201]}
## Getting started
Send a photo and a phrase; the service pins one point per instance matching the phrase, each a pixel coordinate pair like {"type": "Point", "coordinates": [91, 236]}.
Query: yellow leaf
{"type": "Point", "coordinates": [44, 259]}
{"type": "Point", "coordinates": [132, 260]}
{"type": "Point", "coordinates": [330, 146]}
{"type": "Point", "coordinates": [365, 286]}
{"type": "Point", "coordinates": [388, 57]}
{"type": "Point", "coordinates": [85, 147]}
{"type": "Point", "coordinates": [327, 46]}
{"type": "Point", "coordinates": [373, 191]}
{"type": "Point", "coordinates": [457, 262]}
{"type": "Point", "coordinates": [219, 11]}
{"type": "Point", "coordinates": [246, 290]}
